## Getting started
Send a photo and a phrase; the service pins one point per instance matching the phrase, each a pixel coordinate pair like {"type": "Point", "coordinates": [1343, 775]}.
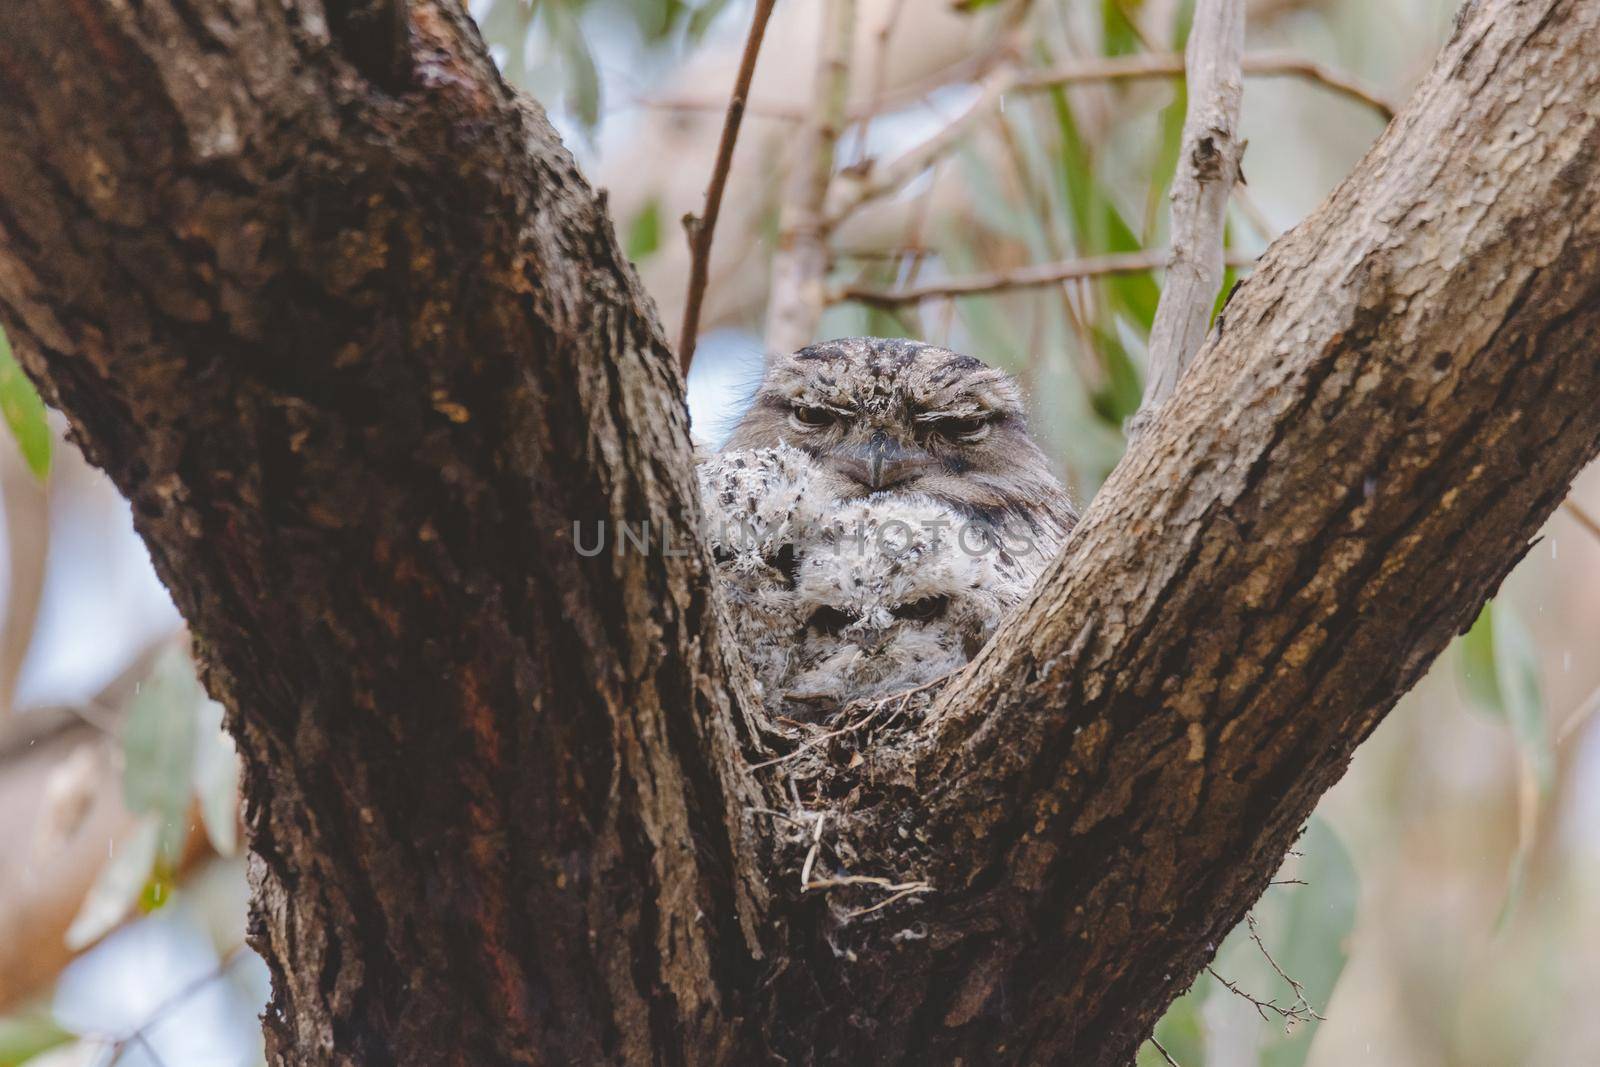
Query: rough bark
{"type": "Point", "coordinates": [359, 359]}
{"type": "Point", "coordinates": [359, 346]}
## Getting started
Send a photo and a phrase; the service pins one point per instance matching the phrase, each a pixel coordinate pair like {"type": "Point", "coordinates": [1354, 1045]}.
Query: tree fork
{"type": "Point", "coordinates": [357, 341]}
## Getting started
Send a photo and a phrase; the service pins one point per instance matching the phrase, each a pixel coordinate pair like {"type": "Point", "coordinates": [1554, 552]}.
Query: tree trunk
{"type": "Point", "coordinates": [341, 318]}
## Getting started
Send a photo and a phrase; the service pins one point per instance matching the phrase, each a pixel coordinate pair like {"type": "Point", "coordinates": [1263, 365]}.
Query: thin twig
{"type": "Point", "coordinates": [1208, 164]}
{"type": "Point", "coordinates": [1164, 1053]}
{"type": "Point", "coordinates": [1584, 519]}
{"type": "Point", "coordinates": [1172, 65]}
{"type": "Point", "coordinates": [701, 229]}
{"type": "Point", "coordinates": [1150, 66]}
{"type": "Point", "coordinates": [901, 698]}
{"type": "Point", "coordinates": [908, 891]}
{"type": "Point", "coordinates": [811, 854]}
{"type": "Point", "coordinates": [138, 1035]}
{"type": "Point", "coordinates": [1289, 1015]}
{"type": "Point", "coordinates": [1029, 277]}
{"type": "Point", "coordinates": [795, 297]}
{"type": "Point", "coordinates": [1302, 1002]}
{"type": "Point", "coordinates": [870, 183]}
{"type": "Point", "coordinates": [1575, 721]}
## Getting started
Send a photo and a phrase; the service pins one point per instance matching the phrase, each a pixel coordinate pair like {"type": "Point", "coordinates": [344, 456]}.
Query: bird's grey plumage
{"type": "Point", "coordinates": [892, 415]}
{"type": "Point", "coordinates": [874, 515]}
{"type": "Point", "coordinates": [834, 602]}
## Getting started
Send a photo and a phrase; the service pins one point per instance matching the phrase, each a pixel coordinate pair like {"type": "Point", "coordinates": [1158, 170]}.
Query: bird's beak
{"type": "Point", "coordinates": [880, 463]}
{"type": "Point", "coordinates": [877, 452]}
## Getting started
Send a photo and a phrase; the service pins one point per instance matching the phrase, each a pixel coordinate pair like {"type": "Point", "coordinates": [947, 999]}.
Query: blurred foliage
{"type": "Point", "coordinates": [533, 34]}
{"type": "Point", "coordinates": [28, 1034]}
{"type": "Point", "coordinates": [175, 755]}
{"type": "Point", "coordinates": [1054, 176]}
{"type": "Point", "coordinates": [1499, 668]}
{"type": "Point", "coordinates": [1304, 921]}
{"type": "Point", "coordinates": [24, 412]}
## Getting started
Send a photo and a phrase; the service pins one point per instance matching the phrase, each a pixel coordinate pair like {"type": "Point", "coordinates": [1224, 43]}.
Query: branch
{"type": "Point", "coordinates": [359, 360]}
{"type": "Point", "coordinates": [701, 229]}
{"type": "Point", "coordinates": [499, 791]}
{"type": "Point", "coordinates": [1030, 277]}
{"type": "Point", "coordinates": [1207, 168]}
{"type": "Point", "coordinates": [795, 299]}
{"type": "Point", "coordinates": [874, 182]}
{"type": "Point", "coordinates": [1159, 65]}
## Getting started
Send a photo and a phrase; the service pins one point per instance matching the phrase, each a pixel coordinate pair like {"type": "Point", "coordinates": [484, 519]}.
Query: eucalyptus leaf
{"type": "Point", "coordinates": [216, 779]}
{"type": "Point", "coordinates": [27, 1035]}
{"type": "Point", "coordinates": [1313, 929]}
{"type": "Point", "coordinates": [24, 412]}
{"type": "Point", "coordinates": [703, 16]}
{"type": "Point", "coordinates": [1499, 668]}
{"type": "Point", "coordinates": [158, 748]}
{"type": "Point", "coordinates": [118, 886]}
{"type": "Point", "coordinates": [644, 232]}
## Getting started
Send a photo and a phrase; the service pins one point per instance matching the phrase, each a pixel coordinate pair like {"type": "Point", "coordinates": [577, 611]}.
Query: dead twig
{"type": "Point", "coordinates": [795, 298]}
{"type": "Point", "coordinates": [1172, 65]}
{"type": "Point", "coordinates": [1208, 165]}
{"type": "Point", "coordinates": [1582, 517]}
{"type": "Point", "coordinates": [700, 230]}
{"type": "Point", "coordinates": [1164, 1053]}
{"type": "Point", "coordinates": [1029, 277]}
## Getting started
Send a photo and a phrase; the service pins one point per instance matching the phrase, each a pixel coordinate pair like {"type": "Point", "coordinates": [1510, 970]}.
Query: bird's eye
{"type": "Point", "coordinates": [924, 610]}
{"type": "Point", "coordinates": [973, 429]}
{"type": "Point", "coordinates": [830, 620]}
{"type": "Point", "coordinates": [812, 418]}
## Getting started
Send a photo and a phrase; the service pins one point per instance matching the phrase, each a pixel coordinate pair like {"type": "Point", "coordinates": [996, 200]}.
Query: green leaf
{"type": "Point", "coordinates": [1475, 659]}
{"type": "Point", "coordinates": [28, 1034]}
{"type": "Point", "coordinates": [158, 748]}
{"type": "Point", "coordinates": [1499, 668]}
{"type": "Point", "coordinates": [1117, 29]}
{"type": "Point", "coordinates": [216, 779]}
{"type": "Point", "coordinates": [1119, 397]}
{"type": "Point", "coordinates": [24, 412]}
{"type": "Point", "coordinates": [1099, 227]}
{"type": "Point", "coordinates": [1517, 671]}
{"type": "Point", "coordinates": [1316, 922]}
{"type": "Point", "coordinates": [644, 232]}
{"type": "Point", "coordinates": [119, 885]}
{"type": "Point", "coordinates": [1182, 1030]}
{"type": "Point", "coordinates": [583, 80]}
{"type": "Point", "coordinates": [703, 16]}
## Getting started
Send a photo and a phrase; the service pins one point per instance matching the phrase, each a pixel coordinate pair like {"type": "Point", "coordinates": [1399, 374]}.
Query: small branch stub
{"type": "Point", "coordinates": [1207, 169]}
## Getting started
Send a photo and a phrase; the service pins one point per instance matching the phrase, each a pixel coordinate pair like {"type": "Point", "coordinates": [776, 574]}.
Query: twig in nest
{"type": "Point", "coordinates": [903, 698]}
{"type": "Point", "coordinates": [909, 890]}
{"type": "Point", "coordinates": [700, 230]}
{"type": "Point", "coordinates": [811, 854]}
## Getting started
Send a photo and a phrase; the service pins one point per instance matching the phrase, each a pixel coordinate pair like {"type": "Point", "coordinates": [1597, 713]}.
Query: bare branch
{"type": "Point", "coordinates": [1145, 67]}
{"type": "Point", "coordinates": [795, 302]}
{"type": "Point", "coordinates": [1583, 518]}
{"type": "Point", "coordinates": [1029, 277]}
{"type": "Point", "coordinates": [701, 229]}
{"type": "Point", "coordinates": [1164, 1053]}
{"type": "Point", "coordinates": [872, 182]}
{"type": "Point", "coordinates": [1172, 65]}
{"type": "Point", "coordinates": [1207, 168]}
